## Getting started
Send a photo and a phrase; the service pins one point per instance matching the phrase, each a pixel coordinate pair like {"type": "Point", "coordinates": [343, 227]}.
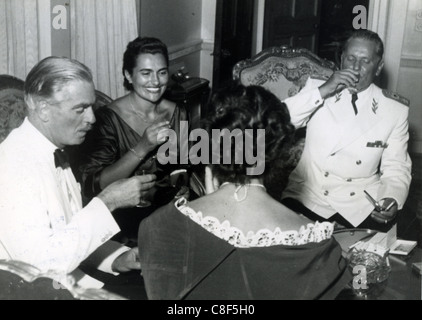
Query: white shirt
{"type": "Point", "coordinates": [33, 226]}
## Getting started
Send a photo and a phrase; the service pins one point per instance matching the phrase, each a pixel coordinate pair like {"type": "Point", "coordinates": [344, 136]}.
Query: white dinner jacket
{"type": "Point", "coordinates": [34, 224]}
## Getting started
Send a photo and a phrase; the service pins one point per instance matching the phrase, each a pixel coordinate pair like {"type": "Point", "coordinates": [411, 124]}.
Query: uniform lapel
{"type": "Point", "coordinates": [366, 119]}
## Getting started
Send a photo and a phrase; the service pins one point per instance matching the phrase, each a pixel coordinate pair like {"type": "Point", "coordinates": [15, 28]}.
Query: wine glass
{"type": "Point", "coordinates": [143, 203]}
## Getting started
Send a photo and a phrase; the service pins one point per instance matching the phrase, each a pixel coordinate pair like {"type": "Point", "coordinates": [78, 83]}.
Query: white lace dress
{"type": "Point", "coordinates": [312, 232]}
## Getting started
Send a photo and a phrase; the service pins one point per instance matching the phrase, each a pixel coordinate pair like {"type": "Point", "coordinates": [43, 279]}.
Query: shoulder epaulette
{"type": "Point", "coordinates": [396, 96]}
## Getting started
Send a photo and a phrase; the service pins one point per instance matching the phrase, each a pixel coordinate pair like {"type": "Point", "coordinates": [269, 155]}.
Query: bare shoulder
{"type": "Point", "coordinates": [119, 104]}
{"type": "Point", "coordinates": [289, 219]}
{"type": "Point", "coordinates": [250, 215]}
{"type": "Point", "coordinates": [121, 107]}
{"type": "Point", "coordinates": [167, 106]}
{"type": "Point", "coordinates": [207, 203]}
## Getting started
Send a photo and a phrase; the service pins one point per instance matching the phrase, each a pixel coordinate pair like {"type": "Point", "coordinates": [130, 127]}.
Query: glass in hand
{"type": "Point", "coordinates": [142, 201]}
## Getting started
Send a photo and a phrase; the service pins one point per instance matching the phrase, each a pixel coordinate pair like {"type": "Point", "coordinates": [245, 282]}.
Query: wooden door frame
{"type": "Point", "coordinates": [218, 58]}
{"type": "Point", "coordinates": [218, 32]}
{"type": "Point", "coordinates": [388, 19]}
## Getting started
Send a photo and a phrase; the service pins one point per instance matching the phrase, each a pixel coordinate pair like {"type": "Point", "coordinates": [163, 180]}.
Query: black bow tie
{"type": "Point", "coordinates": [61, 159]}
{"type": "Point", "coordinates": [354, 98]}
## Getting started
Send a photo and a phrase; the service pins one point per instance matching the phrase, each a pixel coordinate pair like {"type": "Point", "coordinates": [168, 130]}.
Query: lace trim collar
{"type": "Point", "coordinates": [311, 233]}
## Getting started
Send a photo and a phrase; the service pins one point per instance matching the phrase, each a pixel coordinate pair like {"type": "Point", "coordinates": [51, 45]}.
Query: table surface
{"type": "Point", "coordinates": [403, 283]}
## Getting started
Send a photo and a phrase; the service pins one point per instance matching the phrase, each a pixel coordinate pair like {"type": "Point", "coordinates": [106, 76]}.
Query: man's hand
{"type": "Point", "coordinates": [211, 184]}
{"type": "Point", "coordinates": [127, 261]}
{"type": "Point", "coordinates": [339, 80]}
{"type": "Point", "coordinates": [126, 193]}
{"type": "Point", "coordinates": [183, 192]}
{"type": "Point", "coordinates": [384, 216]}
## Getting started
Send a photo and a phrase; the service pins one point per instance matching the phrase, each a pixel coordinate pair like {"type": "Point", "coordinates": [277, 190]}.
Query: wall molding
{"type": "Point", "coordinates": [185, 49]}
{"type": "Point", "coordinates": [388, 19]}
{"type": "Point", "coordinates": [378, 16]}
{"type": "Point", "coordinates": [411, 62]}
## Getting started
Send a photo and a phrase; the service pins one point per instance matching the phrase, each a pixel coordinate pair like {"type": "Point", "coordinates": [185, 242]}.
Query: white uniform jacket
{"type": "Point", "coordinates": [346, 154]}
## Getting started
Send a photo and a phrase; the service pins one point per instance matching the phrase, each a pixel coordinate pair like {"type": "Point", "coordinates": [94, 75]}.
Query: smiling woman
{"type": "Point", "coordinates": [124, 139]}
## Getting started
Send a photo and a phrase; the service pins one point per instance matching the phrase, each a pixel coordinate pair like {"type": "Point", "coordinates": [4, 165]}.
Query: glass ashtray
{"type": "Point", "coordinates": [370, 271]}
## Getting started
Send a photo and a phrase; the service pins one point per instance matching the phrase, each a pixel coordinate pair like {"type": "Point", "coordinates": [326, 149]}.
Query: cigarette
{"type": "Point", "coordinates": [373, 201]}
{"type": "Point", "coordinates": [389, 206]}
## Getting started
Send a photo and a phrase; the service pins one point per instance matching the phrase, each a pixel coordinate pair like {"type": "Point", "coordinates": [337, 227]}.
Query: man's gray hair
{"type": "Point", "coordinates": [50, 75]}
{"type": "Point", "coordinates": [367, 35]}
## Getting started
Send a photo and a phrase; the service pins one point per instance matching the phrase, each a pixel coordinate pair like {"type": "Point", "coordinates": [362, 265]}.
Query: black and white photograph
{"type": "Point", "coordinates": [210, 154]}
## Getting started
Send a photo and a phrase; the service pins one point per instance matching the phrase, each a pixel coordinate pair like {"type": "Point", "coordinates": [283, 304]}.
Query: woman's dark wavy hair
{"type": "Point", "coordinates": [252, 107]}
{"type": "Point", "coordinates": [137, 47]}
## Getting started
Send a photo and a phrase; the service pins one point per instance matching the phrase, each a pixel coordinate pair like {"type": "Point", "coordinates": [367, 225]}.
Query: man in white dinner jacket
{"type": "Point", "coordinates": [356, 141]}
{"type": "Point", "coordinates": [42, 221]}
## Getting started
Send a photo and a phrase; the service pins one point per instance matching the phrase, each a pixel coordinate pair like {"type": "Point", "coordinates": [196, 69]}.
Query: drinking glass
{"type": "Point", "coordinates": [142, 201]}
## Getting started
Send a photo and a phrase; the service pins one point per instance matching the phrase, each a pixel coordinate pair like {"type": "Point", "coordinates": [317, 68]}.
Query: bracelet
{"type": "Point", "coordinates": [136, 155]}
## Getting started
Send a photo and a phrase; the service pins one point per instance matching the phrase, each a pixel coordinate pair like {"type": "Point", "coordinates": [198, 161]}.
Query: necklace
{"type": "Point", "coordinates": [246, 186]}
{"type": "Point", "coordinates": [141, 115]}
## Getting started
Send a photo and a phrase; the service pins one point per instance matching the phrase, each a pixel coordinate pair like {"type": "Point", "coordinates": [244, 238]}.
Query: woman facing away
{"type": "Point", "coordinates": [125, 137]}
{"type": "Point", "coordinates": [237, 242]}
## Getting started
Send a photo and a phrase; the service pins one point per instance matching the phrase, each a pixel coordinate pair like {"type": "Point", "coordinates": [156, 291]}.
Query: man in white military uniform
{"type": "Point", "coordinates": [351, 146]}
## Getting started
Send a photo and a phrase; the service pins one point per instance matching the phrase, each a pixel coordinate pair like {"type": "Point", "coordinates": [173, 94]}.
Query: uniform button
{"type": "Point", "coordinates": [326, 193]}
{"type": "Point", "coordinates": [349, 180]}
{"type": "Point", "coordinates": [352, 194]}
{"type": "Point", "coordinates": [317, 102]}
{"type": "Point", "coordinates": [358, 162]}
{"type": "Point", "coordinates": [326, 174]}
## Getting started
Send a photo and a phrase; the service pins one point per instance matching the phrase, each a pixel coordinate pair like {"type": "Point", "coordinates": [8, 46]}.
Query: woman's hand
{"type": "Point", "coordinates": [155, 135]}
{"type": "Point", "coordinates": [211, 183]}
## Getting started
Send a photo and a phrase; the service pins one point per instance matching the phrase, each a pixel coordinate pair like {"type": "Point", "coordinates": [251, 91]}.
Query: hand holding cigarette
{"type": "Point", "coordinates": [383, 213]}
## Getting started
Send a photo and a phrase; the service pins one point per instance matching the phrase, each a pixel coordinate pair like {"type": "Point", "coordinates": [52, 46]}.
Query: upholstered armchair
{"type": "Point", "coordinates": [284, 71]}
{"type": "Point", "coordinates": [12, 106]}
{"type": "Point", "coordinates": [101, 100]}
